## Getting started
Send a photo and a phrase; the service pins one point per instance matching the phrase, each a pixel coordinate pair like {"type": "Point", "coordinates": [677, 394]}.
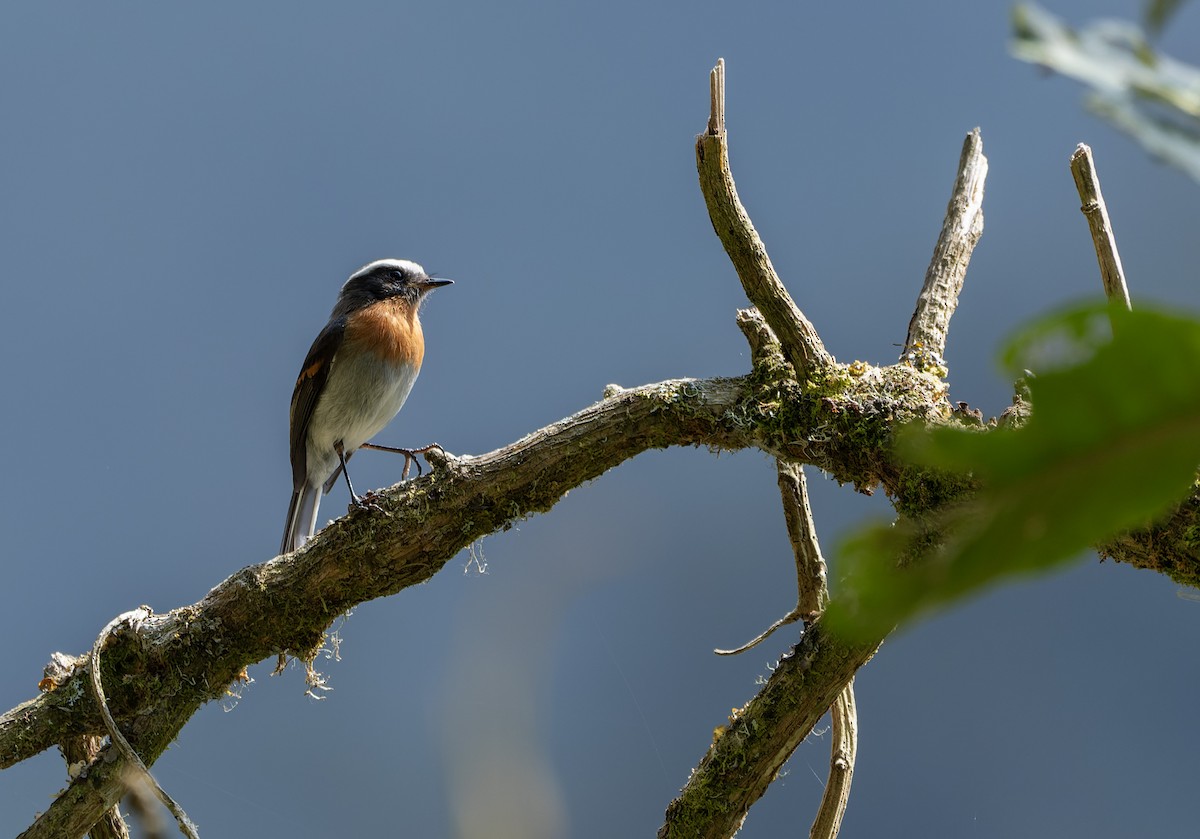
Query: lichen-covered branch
{"type": "Point", "coordinates": [79, 752]}
{"type": "Point", "coordinates": [761, 736]}
{"type": "Point", "coordinates": [159, 673]}
{"type": "Point", "coordinates": [1170, 546]}
{"type": "Point", "coordinates": [841, 422]}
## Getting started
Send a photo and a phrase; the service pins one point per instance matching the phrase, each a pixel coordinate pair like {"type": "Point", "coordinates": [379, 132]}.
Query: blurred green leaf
{"type": "Point", "coordinates": [1158, 14]}
{"type": "Point", "coordinates": [1140, 90]}
{"type": "Point", "coordinates": [1113, 442]}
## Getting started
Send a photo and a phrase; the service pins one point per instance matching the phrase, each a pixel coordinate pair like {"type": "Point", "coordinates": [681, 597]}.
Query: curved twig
{"type": "Point", "coordinates": [788, 619]}
{"type": "Point", "coordinates": [843, 751]}
{"type": "Point", "coordinates": [812, 584]}
{"type": "Point", "coordinates": [801, 343]}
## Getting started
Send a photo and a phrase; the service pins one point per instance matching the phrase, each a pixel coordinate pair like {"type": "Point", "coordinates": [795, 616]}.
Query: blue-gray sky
{"type": "Point", "coordinates": [182, 192]}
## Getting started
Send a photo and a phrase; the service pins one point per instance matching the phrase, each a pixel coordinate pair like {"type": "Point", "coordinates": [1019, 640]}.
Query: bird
{"type": "Point", "coordinates": [354, 380]}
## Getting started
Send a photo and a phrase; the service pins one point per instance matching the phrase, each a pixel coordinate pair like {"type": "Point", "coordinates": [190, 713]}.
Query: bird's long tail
{"type": "Point", "coordinates": [302, 517]}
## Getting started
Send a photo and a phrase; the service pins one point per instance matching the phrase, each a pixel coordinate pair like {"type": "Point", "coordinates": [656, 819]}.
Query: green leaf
{"type": "Point", "coordinates": [1159, 13]}
{"type": "Point", "coordinates": [1139, 89]}
{"type": "Point", "coordinates": [1112, 443]}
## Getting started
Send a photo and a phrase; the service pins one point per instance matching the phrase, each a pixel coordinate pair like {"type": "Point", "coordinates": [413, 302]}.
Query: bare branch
{"type": "Point", "coordinates": [801, 343]}
{"type": "Point", "coordinates": [961, 229]}
{"type": "Point", "coordinates": [841, 766]}
{"type": "Point", "coordinates": [1083, 169]}
{"type": "Point", "coordinates": [811, 579]}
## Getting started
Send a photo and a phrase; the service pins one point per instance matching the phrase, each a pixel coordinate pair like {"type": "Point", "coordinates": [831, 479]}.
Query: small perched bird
{"type": "Point", "coordinates": [355, 379]}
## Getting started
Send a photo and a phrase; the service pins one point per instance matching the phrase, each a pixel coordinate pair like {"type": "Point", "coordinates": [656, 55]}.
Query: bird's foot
{"type": "Point", "coordinates": [367, 501]}
{"type": "Point", "coordinates": [410, 455]}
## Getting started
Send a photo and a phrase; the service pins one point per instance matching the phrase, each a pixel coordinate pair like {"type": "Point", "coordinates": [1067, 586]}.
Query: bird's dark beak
{"type": "Point", "coordinates": [432, 283]}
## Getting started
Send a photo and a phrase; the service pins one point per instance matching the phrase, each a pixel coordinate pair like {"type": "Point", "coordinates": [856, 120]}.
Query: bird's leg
{"type": "Point", "coordinates": [363, 502]}
{"type": "Point", "coordinates": [410, 455]}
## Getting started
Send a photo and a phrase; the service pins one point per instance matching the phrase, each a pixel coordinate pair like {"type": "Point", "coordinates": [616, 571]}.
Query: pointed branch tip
{"type": "Point", "coordinates": [961, 229]}
{"type": "Point", "coordinates": [1087, 183]}
{"type": "Point", "coordinates": [716, 95]}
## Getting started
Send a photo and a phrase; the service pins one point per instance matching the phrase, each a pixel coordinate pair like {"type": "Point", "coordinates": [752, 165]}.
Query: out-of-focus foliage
{"type": "Point", "coordinates": [1145, 93]}
{"type": "Point", "coordinates": [1113, 442]}
{"type": "Point", "coordinates": [1158, 14]}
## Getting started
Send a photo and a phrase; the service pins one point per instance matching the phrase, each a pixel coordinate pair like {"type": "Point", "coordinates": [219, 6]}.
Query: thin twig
{"type": "Point", "coordinates": [811, 578]}
{"type": "Point", "coordinates": [788, 619]}
{"type": "Point", "coordinates": [801, 343]}
{"type": "Point", "coordinates": [961, 228]}
{"type": "Point", "coordinates": [812, 592]}
{"type": "Point", "coordinates": [843, 751]}
{"type": "Point", "coordinates": [1083, 168]}
{"type": "Point", "coordinates": [143, 806]}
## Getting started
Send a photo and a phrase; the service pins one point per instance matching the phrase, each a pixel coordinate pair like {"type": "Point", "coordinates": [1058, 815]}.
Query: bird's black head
{"type": "Point", "coordinates": [384, 279]}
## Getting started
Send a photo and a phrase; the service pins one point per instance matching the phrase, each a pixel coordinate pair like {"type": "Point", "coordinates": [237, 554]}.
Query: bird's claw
{"type": "Point", "coordinates": [365, 502]}
{"type": "Point", "coordinates": [410, 456]}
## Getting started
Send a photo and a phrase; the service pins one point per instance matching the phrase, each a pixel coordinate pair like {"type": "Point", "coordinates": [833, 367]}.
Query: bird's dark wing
{"type": "Point", "coordinates": [308, 390]}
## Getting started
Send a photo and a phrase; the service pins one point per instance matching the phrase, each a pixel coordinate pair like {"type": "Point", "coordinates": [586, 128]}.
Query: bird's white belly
{"type": "Point", "coordinates": [361, 396]}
